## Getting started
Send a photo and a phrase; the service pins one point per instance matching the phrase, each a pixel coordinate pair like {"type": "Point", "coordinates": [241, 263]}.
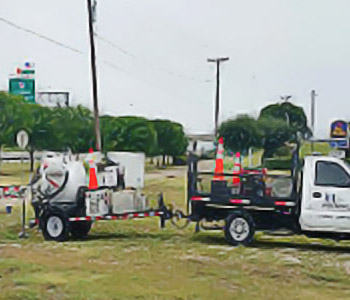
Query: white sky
{"type": "Point", "coordinates": [276, 47]}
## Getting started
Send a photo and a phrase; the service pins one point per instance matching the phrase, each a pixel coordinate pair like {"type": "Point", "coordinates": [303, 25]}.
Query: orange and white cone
{"type": "Point", "coordinates": [93, 184]}
{"type": "Point", "coordinates": [219, 161]}
{"type": "Point", "coordinates": [237, 168]}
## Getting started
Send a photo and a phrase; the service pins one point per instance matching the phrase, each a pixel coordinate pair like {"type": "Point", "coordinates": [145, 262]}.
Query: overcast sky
{"type": "Point", "coordinates": [276, 47]}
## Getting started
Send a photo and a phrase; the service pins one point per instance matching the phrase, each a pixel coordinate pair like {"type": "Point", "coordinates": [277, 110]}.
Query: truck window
{"type": "Point", "coordinates": [331, 174]}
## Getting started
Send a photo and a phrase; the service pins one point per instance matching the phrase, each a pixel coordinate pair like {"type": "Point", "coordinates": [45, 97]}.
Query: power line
{"type": "Point", "coordinates": [40, 35]}
{"type": "Point", "coordinates": [152, 65]}
{"type": "Point", "coordinates": [113, 66]}
{"type": "Point", "coordinates": [101, 38]}
{"type": "Point", "coordinates": [60, 44]}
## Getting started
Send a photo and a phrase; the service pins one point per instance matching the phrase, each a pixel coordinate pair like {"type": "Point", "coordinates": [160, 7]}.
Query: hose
{"type": "Point", "coordinates": [177, 216]}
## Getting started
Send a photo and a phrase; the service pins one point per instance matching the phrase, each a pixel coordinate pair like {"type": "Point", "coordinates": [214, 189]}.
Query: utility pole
{"type": "Point", "coordinates": [92, 19]}
{"type": "Point", "coordinates": [313, 96]}
{"type": "Point", "coordinates": [217, 96]}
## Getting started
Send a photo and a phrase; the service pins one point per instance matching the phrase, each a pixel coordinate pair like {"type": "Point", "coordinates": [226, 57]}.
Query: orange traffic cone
{"type": "Point", "coordinates": [236, 180]}
{"type": "Point", "coordinates": [219, 161]}
{"type": "Point", "coordinates": [93, 184]}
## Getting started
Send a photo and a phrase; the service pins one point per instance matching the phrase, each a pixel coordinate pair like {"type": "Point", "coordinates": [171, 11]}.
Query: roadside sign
{"type": "Point", "coordinates": [337, 153]}
{"type": "Point", "coordinates": [24, 87]}
{"type": "Point", "coordinates": [339, 143]}
{"type": "Point", "coordinates": [339, 129]}
{"type": "Point", "coordinates": [22, 139]}
{"type": "Point", "coordinates": [23, 82]}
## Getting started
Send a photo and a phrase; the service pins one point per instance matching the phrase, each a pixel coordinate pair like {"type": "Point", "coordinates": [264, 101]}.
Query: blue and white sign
{"type": "Point", "coordinates": [339, 143]}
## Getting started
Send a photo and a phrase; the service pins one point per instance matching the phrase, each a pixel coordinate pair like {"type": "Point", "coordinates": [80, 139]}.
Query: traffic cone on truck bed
{"type": "Point", "coordinates": [93, 184]}
{"type": "Point", "coordinates": [237, 169]}
{"type": "Point", "coordinates": [219, 161]}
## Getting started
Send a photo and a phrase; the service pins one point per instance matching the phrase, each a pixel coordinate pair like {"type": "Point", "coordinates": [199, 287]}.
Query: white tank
{"type": "Point", "coordinates": [53, 170]}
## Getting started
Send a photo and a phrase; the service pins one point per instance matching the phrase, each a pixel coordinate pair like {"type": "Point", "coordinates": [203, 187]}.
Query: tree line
{"type": "Point", "coordinates": [276, 125]}
{"type": "Point", "coordinates": [60, 129]}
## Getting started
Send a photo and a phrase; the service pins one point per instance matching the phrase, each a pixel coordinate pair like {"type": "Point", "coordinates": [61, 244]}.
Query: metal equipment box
{"type": "Point", "coordinates": [97, 202]}
{"type": "Point", "coordinates": [128, 201]}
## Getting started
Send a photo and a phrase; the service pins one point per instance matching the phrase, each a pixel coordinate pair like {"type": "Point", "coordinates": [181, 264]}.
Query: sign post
{"type": "Point", "coordinates": [22, 142]}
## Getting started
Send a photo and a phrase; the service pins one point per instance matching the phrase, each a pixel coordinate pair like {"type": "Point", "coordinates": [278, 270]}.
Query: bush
{"type": "Point", "coordinates": [283, 151]}
{"type": "Point", "coordinates": [180, 160]}
{"type": "Point", "coordinates": [280, 163]}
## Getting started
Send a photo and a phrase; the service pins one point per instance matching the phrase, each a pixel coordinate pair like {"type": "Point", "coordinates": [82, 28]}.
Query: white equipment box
{"type": "Point", "coordinates": [108, 177]}
{"type": "Point", "coordinates": [128, 201]}
{"type": "Point", "coordinates": [97, 202]}
{"type": "Point", "coordinates": [134, 165]}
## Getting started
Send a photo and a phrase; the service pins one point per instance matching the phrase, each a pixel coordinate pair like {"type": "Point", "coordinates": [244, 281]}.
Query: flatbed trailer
{"type": "Point", "coordinates": [317, 203]}
{"type": "Point", "coordinates": [252, 206]}
{"type": "Point", "coordinates": [58, 222]}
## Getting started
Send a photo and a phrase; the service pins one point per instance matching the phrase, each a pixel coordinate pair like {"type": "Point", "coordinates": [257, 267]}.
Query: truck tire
{"type": "Point", "coordinates": [80, 229]}
{"type": "Point", "coordinates": [239, 229]}
{"type": "Point", "coordinates": [54, 227]}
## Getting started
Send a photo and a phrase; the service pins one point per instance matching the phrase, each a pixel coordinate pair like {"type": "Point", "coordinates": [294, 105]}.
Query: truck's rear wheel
{"type": "Point", "coordinates": [80, 229]}
{"type": "Point", "coordinates": [239, 229]}
{"type": "Point", "coordinates": [54, 227]}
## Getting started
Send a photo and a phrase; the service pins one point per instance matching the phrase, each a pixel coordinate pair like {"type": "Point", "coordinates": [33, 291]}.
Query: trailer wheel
{"type": "Point", "coordinates": [54, 227]}
{"type": "Point", "coordinates": [239, 229]}
{"type": "Point", "coordinates": [80, 229]}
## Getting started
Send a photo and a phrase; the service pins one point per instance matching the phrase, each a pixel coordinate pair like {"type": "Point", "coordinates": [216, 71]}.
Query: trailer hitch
{"type": "Point", "coordinates": [168, 213]}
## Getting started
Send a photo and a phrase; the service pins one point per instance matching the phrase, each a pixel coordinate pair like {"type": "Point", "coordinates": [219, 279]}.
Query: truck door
{"type": "Point", "coordinates": [327, 207]}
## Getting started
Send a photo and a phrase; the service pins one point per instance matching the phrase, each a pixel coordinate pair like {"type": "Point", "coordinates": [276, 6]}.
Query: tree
{"type": "Point", "coordinates": [274, 133]}
{"type": "Point", "coordinates": [135, 134]}
{"type": "Point", "coordinates": [294, 116]}
{"type": "Point", "coordinates": [42, 131]}
{"type": "Point", "coordinates": [171, 138]}
{"type": "Point", "coordinates": [13, 117]}
{"type": "Point", "coordinates": [240, 133]}
{"type": "Point", "coordinates": [74, 128]}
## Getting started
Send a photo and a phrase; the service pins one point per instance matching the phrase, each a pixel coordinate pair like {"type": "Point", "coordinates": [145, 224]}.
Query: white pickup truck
{"type": "Point", "coordinates": [325, 195]}
{"type": "Point", "coordinates": [317, 201]}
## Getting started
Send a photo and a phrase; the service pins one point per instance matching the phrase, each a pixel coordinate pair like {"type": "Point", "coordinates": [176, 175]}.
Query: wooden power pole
{"type": "Point", "coordinates": [313, 96]}
{"type": "Point", "coordinates": [91, 10]}
{"type": "Point", "coordinates": [217, 95]}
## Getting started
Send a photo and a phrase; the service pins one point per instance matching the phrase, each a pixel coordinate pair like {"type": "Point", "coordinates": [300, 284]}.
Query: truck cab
{"type": "Point", "coordinates": [325, 195]}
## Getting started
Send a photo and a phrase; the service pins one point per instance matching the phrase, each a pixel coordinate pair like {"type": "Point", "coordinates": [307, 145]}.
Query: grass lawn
{"type": "Point", "coordinates": [10, 173]}
{"type": "Point", "coordinates": [137, 260]}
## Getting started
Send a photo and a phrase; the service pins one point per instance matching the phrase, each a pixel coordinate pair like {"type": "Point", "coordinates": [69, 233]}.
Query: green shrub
{"type": "Point", "coordinates": [180, 160]}
{"type": "Point", "coordinates": [280, 163]}
{"type": "Point", "coordinates": [283, 151]}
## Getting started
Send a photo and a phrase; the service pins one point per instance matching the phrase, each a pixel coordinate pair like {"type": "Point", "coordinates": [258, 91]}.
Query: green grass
{"type": "Point", "coordinates": [323, 148]}
{"type": "Point", "coordinates": [137, 260]}
{"type": "Point", "coordinates": [10, 173]}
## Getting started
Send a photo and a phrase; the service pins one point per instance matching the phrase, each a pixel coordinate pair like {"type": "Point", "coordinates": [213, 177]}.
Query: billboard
{"type": "Point", "coordinates": [24, 87]}
{"type": "Point", "coordinates": [339, 129]}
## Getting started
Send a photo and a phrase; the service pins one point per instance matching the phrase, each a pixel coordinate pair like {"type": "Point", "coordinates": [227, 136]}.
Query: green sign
{"type": "Point", "coordinates": [24, 87]}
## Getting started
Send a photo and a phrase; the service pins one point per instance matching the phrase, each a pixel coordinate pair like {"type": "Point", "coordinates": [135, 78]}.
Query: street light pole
{"type": "Point", "coordinates": [313, 96]}
{"type": "Point", "coordinates": [92, 19]}
{"type": "Point", "coordinates": [217, 61]}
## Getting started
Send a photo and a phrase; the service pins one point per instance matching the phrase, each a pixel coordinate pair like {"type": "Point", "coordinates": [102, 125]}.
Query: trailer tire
{"type": "Point", "coordinates": [79, 229]}
{"type": "Point", "coordinates": [54, 227]}
{"type": "Point", "coordinates": [239, 229]}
